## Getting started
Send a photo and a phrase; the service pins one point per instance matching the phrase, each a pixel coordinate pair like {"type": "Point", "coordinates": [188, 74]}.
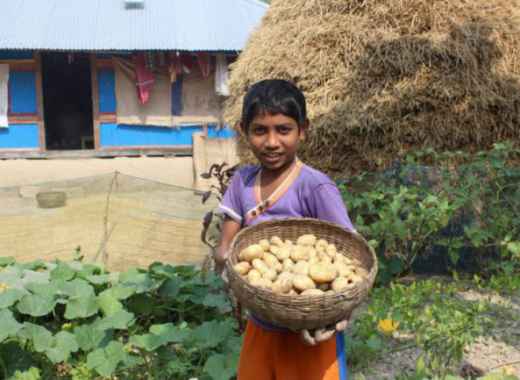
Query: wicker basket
{"type": "Point", "coordinates": [301, 312]}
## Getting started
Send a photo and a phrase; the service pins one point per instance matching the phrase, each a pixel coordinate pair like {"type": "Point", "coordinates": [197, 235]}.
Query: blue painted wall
{"type": "Point", "coordinates": [22, 92]}
{"type": "Point", "coordinates": [19, 136]}
{"type": "Point", "coordinates": [117, 135]}
{"type": "Point", "coordinates": [224, 133]}
{"type": "Point", "coordinates": [132, 135]}
{"type": "Point", "coordinates": [107, 91]}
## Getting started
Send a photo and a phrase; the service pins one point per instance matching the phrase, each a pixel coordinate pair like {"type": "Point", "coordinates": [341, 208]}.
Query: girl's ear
{"type": "Point", "coordinates": [303, 129]}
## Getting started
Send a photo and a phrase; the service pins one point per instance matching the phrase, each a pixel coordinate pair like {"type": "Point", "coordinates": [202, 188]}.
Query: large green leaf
{"type": "Point", "coordinates": [40, 337]}
{"type": "Point", "coordinates": [9, 326]}
{"type": "Point", "coordinates": [108, 303]}
{"type": "Point", "coordinates": [6, 260]}
{"type": "Point", "coordinates": [221, 367]}
{"type": "Point", "coordinates": [81, 307]}
{"type": "Point", "coordinates": [121, 292]}
{"type": "Point", "coordinates": [140, 280]}
{"type": "Point", "coordinates": [10, 296]}
{"type": "Point", "coordinates": [77, 288]}
{"type": "Point", "coordinates": [211, 334]}
{"type": "Point", "coordinates": [89, 338]}
{"type": "Point", "coordinates": [121, 320]}
{"type": "Point", "coordinates": [63, 344]}
{"type": "Point", "coordinates": [29, 276]}
{"type": "Point", "coordinates": [106, 360]}
{"type": "Point", "coordinates": [36, 305]}
{"type": "Point", "coordinates": [62, 272]}
{"type": "Point", "coordinates": [148, 342]}
{"type": "Point", "coordinates": [170, 288]}
{"type": "Point", "coordinates": [218, 301]}
{"type": "Point", "coordinates": [172, 333]}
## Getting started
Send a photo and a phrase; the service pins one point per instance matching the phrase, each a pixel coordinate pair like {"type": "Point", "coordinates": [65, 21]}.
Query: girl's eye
{"type": "Point", "coordinates": [259, 131]}
{"type": "Point", "coordinates": [284, 130]}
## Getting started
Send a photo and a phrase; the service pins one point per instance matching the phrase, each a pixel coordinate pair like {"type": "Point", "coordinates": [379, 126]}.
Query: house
{"type": "Point", "coordinates": [116, 77]}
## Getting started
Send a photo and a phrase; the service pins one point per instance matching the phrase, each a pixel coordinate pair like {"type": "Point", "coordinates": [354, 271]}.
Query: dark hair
{"type": "Point", "coordinates": [273, 96]}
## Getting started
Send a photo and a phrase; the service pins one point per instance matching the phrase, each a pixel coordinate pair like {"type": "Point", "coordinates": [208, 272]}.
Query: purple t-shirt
{"type": "Point", "coordinates": [311, 195]}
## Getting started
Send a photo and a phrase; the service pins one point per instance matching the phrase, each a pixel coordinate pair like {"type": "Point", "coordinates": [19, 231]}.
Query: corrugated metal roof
{"type": "Point", "coordinates": [193, 25]}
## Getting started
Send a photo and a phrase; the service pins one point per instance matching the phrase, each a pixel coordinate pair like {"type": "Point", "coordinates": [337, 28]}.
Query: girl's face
{"type": "Point", "coordinates": [274, 140]}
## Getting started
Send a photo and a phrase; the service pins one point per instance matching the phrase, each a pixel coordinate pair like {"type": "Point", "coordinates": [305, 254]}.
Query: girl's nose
{"type": "Point", "coordinates": [272, 140]}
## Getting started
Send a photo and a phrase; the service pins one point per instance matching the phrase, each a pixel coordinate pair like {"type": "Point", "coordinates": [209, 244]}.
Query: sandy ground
{"type": "Point", "coordinates": [151, 215]}
{"type": "Point", "coordinates": [175, 170]}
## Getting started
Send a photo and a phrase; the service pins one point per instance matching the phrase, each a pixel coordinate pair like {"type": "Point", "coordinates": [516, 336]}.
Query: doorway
{"type": "Point", "coordinates": [67, 101]}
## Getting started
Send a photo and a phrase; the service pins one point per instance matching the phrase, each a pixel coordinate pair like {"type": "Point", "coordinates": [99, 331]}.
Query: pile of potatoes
{"type": "Point", "coordinates": [312, 266]}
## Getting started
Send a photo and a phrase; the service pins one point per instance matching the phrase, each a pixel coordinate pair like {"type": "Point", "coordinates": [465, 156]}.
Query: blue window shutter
{"type": "Point", "coordinates": [22, 92]}
{"type": "Point", "coordinates": [107, 91]}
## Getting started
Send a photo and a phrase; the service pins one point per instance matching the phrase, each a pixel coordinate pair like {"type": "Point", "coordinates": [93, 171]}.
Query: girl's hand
{"type": "Point", "coordinates": [321, 335]}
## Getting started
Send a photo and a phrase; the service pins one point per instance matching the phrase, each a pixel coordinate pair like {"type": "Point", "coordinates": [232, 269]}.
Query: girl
{"type": "Point", "coordinates": [274, 121]}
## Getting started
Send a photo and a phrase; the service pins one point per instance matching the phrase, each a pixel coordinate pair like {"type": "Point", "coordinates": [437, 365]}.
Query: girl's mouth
{"type": "Point", "coordinates": [272, 158]}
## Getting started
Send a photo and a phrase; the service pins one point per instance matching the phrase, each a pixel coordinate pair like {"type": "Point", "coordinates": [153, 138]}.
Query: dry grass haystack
{"type": "Point", "coordinates": [386, 76]}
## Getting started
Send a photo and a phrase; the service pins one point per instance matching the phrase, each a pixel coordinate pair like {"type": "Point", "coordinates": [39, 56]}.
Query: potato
{"type": "Point", "coordinates": [312, 292]}
{"type": "Point", "coordinates": [288, 243]}
{"type": "Point", "coordinates": [343, 269]}
{"type": "Point", "coordinates": [260, 266]}
{"type": "Point", "coordinates": [355, 278]}
{"type": "Point", "coordinates": [362, 272]}
{"type": "Point", "coordinates": [252, 252]}
{"type": "Point", "coordinates": [282, 286]}
{"type": "Point", "coordinates": [301, 282]}
{"type": "Point", "coordinates": [322, 272]}
{"type": "Point", "coordinates": [283, 253]}
{"type": "Point", "coordinates": [331, 250]}
{"type": "Point", "coordinates": [264, 243]}
{"type": "Point", "coordinates": [272, 262]}
{"type": "Point", "coordinates": [276, 241]}
{"type": "Point", "coordinates": [286, 275]}
{"type": "Point", "coordinates": [270, 274]}
{"type": "Point", "coordinates": [341, 283]}
{"type": "Point", "coordinates": [313, 260]}
{"type": "Point", "coordinates": [242, 268]}
{"type": "Point", "coordinates": [300, 253]}
{"type": "Point", "coordinates": [312, 253]}
{"type": "Point", "coordinates": [287, 265]}
{"type": "Point", "coordinates": [301, 267]}
{"type": "Point", "coordinates": [254, 275]}
{"type": "Point", "coordinates": [306, 240]}
{"type": "Point", "coordinates": [320, 250]}
{"type": "Point", "coordinates": [262, 283]}
{"type": "Point", "coordinates": [326, 260]}
{"type": "Point", "coordinates": [322, 243]}
{"type": "Point", "coordinates": [292, 292]}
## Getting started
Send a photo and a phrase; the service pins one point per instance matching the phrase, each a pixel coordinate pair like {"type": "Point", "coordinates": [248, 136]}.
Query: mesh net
{"type": "Point", "coordinates": [119, 220]}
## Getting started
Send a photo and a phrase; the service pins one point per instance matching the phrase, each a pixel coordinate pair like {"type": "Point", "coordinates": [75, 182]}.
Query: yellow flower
{"type": "Point", "coordinates": [67, 326]}
{"type": "Point", "coordinates": [3, 287]}
{"type": "Point", "coordinates": [508, 370]}
{"type": "Point", "coordinates": [387, 326]}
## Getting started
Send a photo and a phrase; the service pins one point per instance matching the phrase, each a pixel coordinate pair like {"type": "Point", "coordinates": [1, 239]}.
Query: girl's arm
{"type": "Point", "coordinates": [230, 228]}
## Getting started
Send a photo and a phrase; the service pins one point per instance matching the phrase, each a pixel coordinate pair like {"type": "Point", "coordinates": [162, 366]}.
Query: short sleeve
{"type": "Point", "coordinates": [231, 204]}
{"type": "Point", "coordinates": [328, 205]}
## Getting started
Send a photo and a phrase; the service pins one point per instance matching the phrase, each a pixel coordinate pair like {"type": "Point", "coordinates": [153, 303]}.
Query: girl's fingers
{"type": "Point", "coordinates": [341, 325]}
{"type": "Point", "coordinates": [322, 335]}
{"type": "Point", "coordinates": [307, 338]}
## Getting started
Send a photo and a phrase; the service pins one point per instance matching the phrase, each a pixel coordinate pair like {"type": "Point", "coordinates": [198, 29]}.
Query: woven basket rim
{"type": "Point", "coordinates": [362, 287]}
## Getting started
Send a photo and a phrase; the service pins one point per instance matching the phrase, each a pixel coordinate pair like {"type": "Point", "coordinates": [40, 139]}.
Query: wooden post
{"type": "Point", "coordinates": [39, 102]}
{"type": "Point", "coordinates": [95, 100]}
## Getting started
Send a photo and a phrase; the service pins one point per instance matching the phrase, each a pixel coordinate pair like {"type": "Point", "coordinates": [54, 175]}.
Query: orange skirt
{"type": "Point", "coordinates": [282, 355]}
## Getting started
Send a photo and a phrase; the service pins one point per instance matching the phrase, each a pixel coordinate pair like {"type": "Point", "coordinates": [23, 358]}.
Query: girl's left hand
{"type": "Point", "coordinates": [321, 335]}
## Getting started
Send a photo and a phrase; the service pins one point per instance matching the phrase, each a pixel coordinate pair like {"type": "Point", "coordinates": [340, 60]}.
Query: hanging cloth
{"type": "Point", "coordinates": [264, 204]}
{"type": "Point", "coordinates": [221, 76]}
{"type": "Point", "coordinates": [144, 78]}
{"type": "Point", "coordinates": [175, 66]}
{"type": "Point", "coordinates": [4, 95]}
{"type": "Point", "coordinates": [204, 63]}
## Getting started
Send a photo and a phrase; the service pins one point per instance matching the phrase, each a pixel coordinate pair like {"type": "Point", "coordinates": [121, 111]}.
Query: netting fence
{"type": "Point", "coordinates": [119, 220]}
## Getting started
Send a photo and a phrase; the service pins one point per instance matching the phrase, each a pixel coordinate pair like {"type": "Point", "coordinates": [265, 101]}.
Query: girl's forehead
{"type": "Point", "coordinates": [273, 118]}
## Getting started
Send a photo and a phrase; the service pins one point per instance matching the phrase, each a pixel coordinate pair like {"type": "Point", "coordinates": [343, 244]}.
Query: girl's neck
{"type": "Point", "coordinates": [269, 175]}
